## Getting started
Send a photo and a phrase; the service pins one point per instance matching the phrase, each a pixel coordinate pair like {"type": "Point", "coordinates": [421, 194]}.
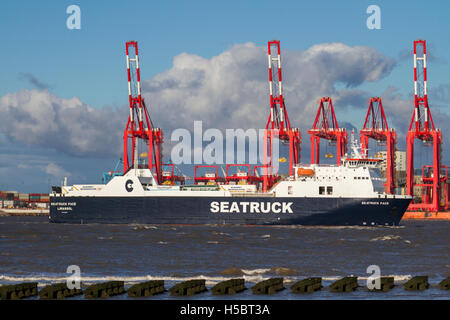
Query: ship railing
{"type": "Point", "coordinates": [387, 196]}
{"type": "Point", "coordinates": [252, 194]}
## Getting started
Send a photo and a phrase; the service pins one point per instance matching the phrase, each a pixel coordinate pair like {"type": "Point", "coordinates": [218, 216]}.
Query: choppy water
{"type": "Point", "coordinates": [32, 249]}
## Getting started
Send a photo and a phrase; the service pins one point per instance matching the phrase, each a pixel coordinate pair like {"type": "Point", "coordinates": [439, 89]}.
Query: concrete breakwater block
{"type": "Point", "coordinates": [445, 284]}
{"type": "Point", "coordinates": [58, 291]}
{"type": "Point", "coordinates": [18, 291]}
{"type": "Point", "coordinates": [346, 284]}
{"type": "Point", "coordinates": [307, 285]}
{"type": "Point", "coordinates": [188, 288]}
{"type": "Point", "coordinates": [146, 289]}
{"type": "Point", "coordinates": [268, 286]}
{"type": "Point", "coordinates": [104, 290]}
{"type": "Point", "coordinates": [231, 286]}
{"type": "Point", "coordinates": [386, 284]}
{"type": "Point", "coordinates": [417, 283]}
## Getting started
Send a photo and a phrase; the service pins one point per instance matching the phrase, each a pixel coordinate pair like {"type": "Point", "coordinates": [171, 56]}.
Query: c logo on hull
{"type": "Point", "coordinates": [129, 185]}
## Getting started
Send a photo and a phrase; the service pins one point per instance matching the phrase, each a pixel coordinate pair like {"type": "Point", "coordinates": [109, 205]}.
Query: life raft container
{"type": "Point", "coordinates": [305, 172]}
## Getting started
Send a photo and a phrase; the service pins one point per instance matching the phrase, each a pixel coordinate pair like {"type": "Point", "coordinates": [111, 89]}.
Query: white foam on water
{"type": "Point", "coordinates": [386, 238]}
{"type": "Point", "coordinates": [397, 277]}
{"type": "Point", "coordinates": [335, 227]}
{"type": "Point", "coordinates": [95, 279]}
{"type": "Point", "coordinates": [255, 271]}
{"type": "Point", "coordinates": [221, 233]}
{"type": "Point", "coordinates": [252, 276]}
{"type": "Point", "coordinates": [331, 278]}
{"type": "Point", "coordinates": [144, 227]}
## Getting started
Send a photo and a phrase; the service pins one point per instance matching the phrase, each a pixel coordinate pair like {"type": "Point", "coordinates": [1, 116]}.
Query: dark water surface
{"type": "Point", "coordinates": [32, 249]}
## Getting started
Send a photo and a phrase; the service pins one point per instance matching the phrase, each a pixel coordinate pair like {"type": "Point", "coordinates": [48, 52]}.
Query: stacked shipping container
{"type": "Point", "coordinates": [10, 199]}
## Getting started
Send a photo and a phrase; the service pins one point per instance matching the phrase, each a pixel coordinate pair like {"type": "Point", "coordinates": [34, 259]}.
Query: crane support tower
{"type": "Point", "coordinates": [278, 124]}
{"type": "Point", "coordinates": [139, 125]}
{"type": "Point", "coordinates": [326, 127]}
{"type": "Point", "coordinates": [376, 128]}
{"type": "Point", "coordinates": [434, 178]}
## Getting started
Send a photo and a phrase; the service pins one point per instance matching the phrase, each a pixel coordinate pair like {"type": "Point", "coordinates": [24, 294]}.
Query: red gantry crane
{"type": "Point", "coordinates": [278, 124]}
{"type": "Point", "coordinates": [376, 127]}
{"type": "Point", "coordinates": [422, 128]}
{"type": "Point", "coordinates": [326, 127]}
{"type": "Point", "coordinates": [139, 125]}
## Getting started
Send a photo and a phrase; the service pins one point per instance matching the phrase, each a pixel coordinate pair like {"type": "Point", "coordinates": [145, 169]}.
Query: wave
{"type": "Point", "coordinates": [144, 227]}
{"type": "Point", "coordinates": [281, 271]}
{"type": "Point", "coordinates": [255, 271]}
{"type": "Point", "coordinates": [386, 238]}
{"type": "Point", "coordinates": [250, 276]}
{"type": "Point", "coordinates": [334, 227]}
{"type": "Point", "coordinates": [128, 280]}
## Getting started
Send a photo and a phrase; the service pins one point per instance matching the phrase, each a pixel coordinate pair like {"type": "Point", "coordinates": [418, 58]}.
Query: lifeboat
{"type": "Point", "coordinates": [305, 172]}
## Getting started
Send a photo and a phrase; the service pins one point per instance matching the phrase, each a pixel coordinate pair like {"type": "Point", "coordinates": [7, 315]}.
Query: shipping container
{"type": "Point", "coordinates": [8, 203]}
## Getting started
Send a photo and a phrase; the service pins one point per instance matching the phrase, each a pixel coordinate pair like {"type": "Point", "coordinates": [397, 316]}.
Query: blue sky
{"type": "Point", "coordinates": [90, 63]}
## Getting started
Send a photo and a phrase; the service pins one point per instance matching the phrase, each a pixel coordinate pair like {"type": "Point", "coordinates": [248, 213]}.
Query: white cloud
{"type": "Point", "coordinates": [229, 90]}
{"type": "Point", "coordinates": [400, 112]}
{"type": "Point", "coordinates": [56, 171]}
{"type": "Point", "coordinates": [39, 118]}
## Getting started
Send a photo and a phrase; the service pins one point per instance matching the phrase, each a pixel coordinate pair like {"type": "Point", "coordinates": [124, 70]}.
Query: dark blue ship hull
{"type": "Point", "coordinates": [228, 210]}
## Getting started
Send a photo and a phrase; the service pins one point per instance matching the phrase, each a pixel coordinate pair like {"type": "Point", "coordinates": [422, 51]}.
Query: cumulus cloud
{"type": "Point", "coordinates": [231, 90]}
{"type": "Point", "coordinates": [56, 171]}
{"type": "Point", "coordinates": [39, 118]}
{"type": "Point", "coordinates": [399, 110]}
{"type": "Point", "coordinates": [441, 93]}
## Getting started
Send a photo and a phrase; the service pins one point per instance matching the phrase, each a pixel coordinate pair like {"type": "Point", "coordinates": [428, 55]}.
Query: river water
{"type": "Point", "coordinates": [32, 249]}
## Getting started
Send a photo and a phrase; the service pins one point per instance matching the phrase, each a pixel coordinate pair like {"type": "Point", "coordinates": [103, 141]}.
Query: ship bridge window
{"type": "Point", "coordinates": [321, 190]}
{"type": "Point", "coordinates": [329, 190]}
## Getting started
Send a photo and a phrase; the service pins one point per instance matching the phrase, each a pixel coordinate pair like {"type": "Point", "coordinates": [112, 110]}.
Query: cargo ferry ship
{"type": "Point", "coordinates": [349, 194]}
